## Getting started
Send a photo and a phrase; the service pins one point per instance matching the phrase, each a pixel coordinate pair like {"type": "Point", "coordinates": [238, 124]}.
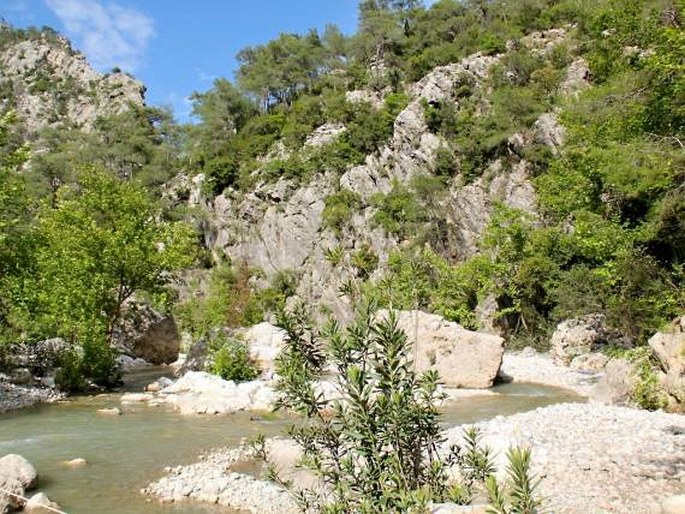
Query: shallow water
{"type": "Point", "coordinates": [510, 399]}
{"type": "Point", "coordinates": [127, 452]}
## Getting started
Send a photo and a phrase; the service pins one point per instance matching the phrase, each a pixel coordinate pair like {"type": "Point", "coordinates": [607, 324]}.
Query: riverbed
{"type": "Point", "coordinates": [127, 452]}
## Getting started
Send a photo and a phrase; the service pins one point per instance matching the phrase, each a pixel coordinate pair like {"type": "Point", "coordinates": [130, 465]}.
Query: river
{"type": "Point", "coordinates": [127, 452]}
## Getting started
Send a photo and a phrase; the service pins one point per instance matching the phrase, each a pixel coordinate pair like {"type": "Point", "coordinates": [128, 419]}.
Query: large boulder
{"type": "Point", "coordinates": [463, 358]}
{"type": "Point", "coordinates": [196, 359]}
{"type": "Point", "coordinates": [578, 336]}
{"type": "Point", "coordinates": [615, 387]}
{"type": "Point", "coordinates": [16, 467]}
{"type": "Point", "coordinates": [147, 334]}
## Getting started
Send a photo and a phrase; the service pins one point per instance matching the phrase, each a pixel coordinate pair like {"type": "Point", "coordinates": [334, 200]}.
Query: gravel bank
{"type": "Point", "coordinates": [211, 481]}
{"type": "Point", "coordinates": [593, 458]}
{"type": "Point", "coordinates": [13, 397]}
{"type": "Point", "coordinates": [539, 368]}
{"type": "Point", "coordinates": [596, 458]}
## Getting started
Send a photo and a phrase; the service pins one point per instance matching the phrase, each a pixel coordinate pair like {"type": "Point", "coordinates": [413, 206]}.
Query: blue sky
{"type": "Point", "coordinates": [175, 46]}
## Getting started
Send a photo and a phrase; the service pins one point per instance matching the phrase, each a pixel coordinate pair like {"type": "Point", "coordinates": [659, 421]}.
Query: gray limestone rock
{"type": "Point", "coordinates": [463, 358]}
{"type": "Point", "coordinates": [578, 336]}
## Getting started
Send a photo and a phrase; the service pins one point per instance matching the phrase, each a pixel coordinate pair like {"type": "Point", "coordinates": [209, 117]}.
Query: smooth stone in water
{"type": "Point", "coordinates": [38, 503]}
{"type": "Point", "coordinates": [76, 463]}
{"type": "Point", "coordinates": [114, 411]}
{"type": "Point", "coordinates": [17, 467]}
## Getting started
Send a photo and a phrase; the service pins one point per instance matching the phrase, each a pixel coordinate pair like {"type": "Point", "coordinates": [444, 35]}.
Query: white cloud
{"type": "Point", "coordinates": [109, 34]}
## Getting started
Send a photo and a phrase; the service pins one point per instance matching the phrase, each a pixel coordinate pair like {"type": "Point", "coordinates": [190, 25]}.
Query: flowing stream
{"type": "Point", "coordinates": [127, 452]}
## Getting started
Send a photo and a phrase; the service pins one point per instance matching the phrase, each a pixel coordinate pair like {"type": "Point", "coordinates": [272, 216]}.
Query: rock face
{"type": "Point", "coordinates": [146, 334]}
{"type": "Point", "coordinates": [40, 358]}
{"type": "Point", "coordinates": [462, 358]}
{"type": "Point", "coordinates": [196, 359]}
{"type": "Point", "coordinates": [669, 347]}
{"type": "Point", "coordinates": [280, 227]}
{"type": "Point", "coordinates": [578, 336]}
{"type": "Point", "coordinates": [617, 383]}
{"type": "Point", "coordinates": [51, 81]}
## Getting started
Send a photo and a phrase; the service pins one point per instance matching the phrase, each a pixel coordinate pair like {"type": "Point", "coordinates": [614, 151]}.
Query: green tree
{"type": "Point", "coordinates": [14, 220]}
{"type": "Point", "coordinates": [223, 111]}
{"type": "Point", "coordinates": [105, 240]}
{"type": "Point", "coordinates": [276, 72]}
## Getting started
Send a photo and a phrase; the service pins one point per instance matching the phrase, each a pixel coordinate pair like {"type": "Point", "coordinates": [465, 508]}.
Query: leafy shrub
{"type": "Point", "coordinates": [375, 447]}
{"type": "Point", "coordinates": [398, 211]}
{"type": "Point", "coordinates": [518, 496]}
{"type": "Point", "coordinates": [441, 118]}
{"type": "Point", "coordinates": [229, 301]}
{"type": "Point", "coordinates": [365, 261]}
{"type": "Point", "coordinates": [446, 165]}
{"type": "Point", "coordinates": [231, 360]}
{"type": "Point", "coordinates": [339, 208]}
{"type": "Point", "coordinates": [69, 377]}
{"type": "Point", "coordinates": [93, 363]}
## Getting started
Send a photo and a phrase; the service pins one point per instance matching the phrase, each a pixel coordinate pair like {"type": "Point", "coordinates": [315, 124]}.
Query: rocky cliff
{"type": "Point", "coordinates": [280, 226]}
{"type": "Point", "coordinates": [47, 82]}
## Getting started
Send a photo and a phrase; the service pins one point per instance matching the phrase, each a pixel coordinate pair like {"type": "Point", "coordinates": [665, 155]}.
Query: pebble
{"type": "Point", "coordinates": [595, 458]}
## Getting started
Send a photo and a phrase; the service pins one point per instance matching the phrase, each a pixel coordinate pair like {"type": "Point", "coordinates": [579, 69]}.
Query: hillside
{"type": "Point", "coordinates": [47, 83]}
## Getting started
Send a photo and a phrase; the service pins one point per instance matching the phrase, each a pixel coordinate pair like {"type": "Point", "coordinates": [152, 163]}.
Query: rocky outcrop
{"type": "Point", "coordinates": [578, 336]}
{"type": "Point", "coordinates": [147, 334]}
{"type": "Point", "coordinates": [52, 82]}
{"type": "Point", "coordinates": [669, 349]}
{"type": "Point", "coordinates": [196, 359]}
{"type": "Point", "coordinates": [462, 358]}
{"type": "Point", "coordinates": [324, 134]}
{"type": "Point", "coordinates": [280, 227]}
{"type": "Point", "coordinates": [36, 360]}
{"type": "Point", "coordinates": [616, 386]}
